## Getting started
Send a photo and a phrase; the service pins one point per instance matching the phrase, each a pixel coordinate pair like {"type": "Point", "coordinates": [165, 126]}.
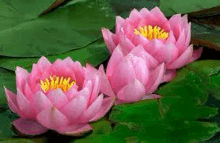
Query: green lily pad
{"type": "Point", "coordinates": [94, 54]}
{"type": "Point", "coordinates": [24, 33]}
{"type": "Point", "coordinates": [170, 7]}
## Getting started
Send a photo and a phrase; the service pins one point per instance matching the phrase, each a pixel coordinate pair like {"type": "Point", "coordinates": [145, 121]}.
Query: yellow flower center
{"type": "Point", "coordinates": [55, 82]}
{"type": "Point", "coordinates": [151, 32]}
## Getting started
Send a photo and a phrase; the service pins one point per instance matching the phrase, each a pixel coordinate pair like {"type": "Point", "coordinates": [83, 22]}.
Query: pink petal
{"type": "Point", "coordinates": [150, 18]}
{"type": "Point", "coordinates": [92, 110]}
{"type": "Point", "coordinates": [169, 75]}
{"type": "Point", "coordinates": [96, 89]}
{"type": "Point", "coordinates": [171, 38]}
{"type": "Point", "coordinates": [42, 63]}
{"type": "Point", "coordinates": [109, 39]}
{"type": "Point", "coordinates": [121, 76]}
{"type": "Point", "coordinates": [27, 91]}
{"type": "Point", "coordinates": [105, 107]}
{"type": "Point", "coordinates": [182, 59]}
{"type": "Point", "coordinates": [21, 77]}
{"type": "Point", "coordinates": [153, 46]}
{"type": "Point", "coordinates": [11, 98]}
{"type": "Point", "coordinates": [59, 68]}
{"type": "Point", "coordinates": [132, 92]}
{"type": "Point", "coordinates": [180, 43]}
{"type": "Point", "coordinates": [140, 67]}
{"type": "Point", "coordinates": [25, 106]}
{"type": "Point", "coordinates": [126, 45]}
{"type": "Point", "coordinates": [86, 91]}
{"type": "Point", "coordinates": [119, 23]}
{"type": "Point", "coordinates": [151, 96]}
{"type": "Point", "coordinates": [105, 85]}
{"type": "Point", "coordinates": [114, 60]}
{"type": "Point", "coordinates": [168, 53]}
{"type": "Point", "coordinates": [57, 97]}
{"type": "Point", "coordinates": [41, 101]}
{"type": "Point", "coordinates": [176, 24]}
{"type": "Point", "coordinates": [128, 29]}
{"type": "Point", "coordinates": [135, 16]}
{"type": "Point", "coordinates": [188, 34]}
{"type": "Point", "coordinates": [156, 77]}
{"type": "Point", "coordinates": [29, 127]}
{"type": "Point", "coordinates": [138, 39]}
{"type": "Point", "coordinates": [185, 20]}
{"type": "Point", "coordinates": [79, 71]}
{"type": "Point", "coordinates": [75, 129]}
{"type": "Point", "coordinates": [163, 22]}
{"type": "Point", "coordinates": [74, 108]}
{"type": "Point", "coordinates": [71, 93]}
{"type": "Point", "coordinates": [139, 51]}
{"type": "Point", "coordinates": [52, 118]}
{"type": "Point", "coordinates": [34, 77]}
{"type": "Point", "coordinates": [196, 54]}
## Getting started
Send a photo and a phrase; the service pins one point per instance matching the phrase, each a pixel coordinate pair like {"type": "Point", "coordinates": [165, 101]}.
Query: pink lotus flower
{"type": "Point", "coordinates": [62, 96]}
{"type": "Point", "coordinates": [131, 76]}
{"type": "Point", "coordinates": [166, 40]}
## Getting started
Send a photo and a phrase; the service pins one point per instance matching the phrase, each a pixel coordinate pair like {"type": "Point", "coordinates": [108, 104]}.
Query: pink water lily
{"type": "Point", "coordinates": [131, 76]}
{"type": "Point", "coordinates": [62, 96]}
{"type": "Point", "coordinates": [166, 40]}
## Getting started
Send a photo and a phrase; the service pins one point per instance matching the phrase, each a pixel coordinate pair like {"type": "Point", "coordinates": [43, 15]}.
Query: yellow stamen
{"type": "Point", "coordinates": [55, 82]}
{"type": "Point", "coordinates": [151, 32]}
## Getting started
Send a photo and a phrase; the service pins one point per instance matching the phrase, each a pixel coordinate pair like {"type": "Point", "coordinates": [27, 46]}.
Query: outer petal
{"type": "Point", "coordinates": [21, 77]}
{"type": "Point", "coordinates": [42, 63]}
{"type": "Point", "coordinates": [52, 118]}
{"type": "Point", "coordinates": [153, 46]}
{"type": "Point", "coordinates": [180, 43]}
{"type": "Point", "coordinates": [109, 39]}
{"type": "Point", "coordinates": [75, 108]}
{"type": "Point", "coordinates": [141, 68]}
{"type": "Point", "coordinates": [25, 106]}
{"type": "Point", "coordinates": [168, 53]}
{"type": "Point", "coordinates": [139, 51]}
{"type": "Point", "coordinates": [156, 77]}
{"type": "Point", "coordinates": [169, 75]}
{"type": "Point", "coordinates": [114, 60]}
{"type": "Point", "coordinates": [176, 25]}
{"type": "Point", "coordinates": [126, 45]}
{"type": "Point", "coordinates": [132, 92]}
{"type": "Point", "coordinates": [182, 59]}
{"type": "Point", "coordinates": [135, 16]}
{"type": "Point", "coordinates": [119, 23]}
{"type": "Point", "coordinates": [27, 91]}
{"type": "Point", "coordinates": [12, 103]}
{"type": "Point", "coordinates": [29, 127]}
{"type": "Point", "coordinates": [57, 97]}
{"type": "Point", "coordinates": [105, 107]}
{"type": "Point", "coordinates": [196, 54]}
{"type": "Point", "coordinates": [41, 101]}
{"type": "Point", "coordinates": [75, 129]}
{"type": "Point", "coordinates": [105, 85]}
{"type": "Point", "coordinates": [121, 76]}
{"type": "Point", "coordinates": [163, 22]}
{"type": "Point", "coordinates": [151, 96]}
{"type": "Point", "coordinates": [92, 110]}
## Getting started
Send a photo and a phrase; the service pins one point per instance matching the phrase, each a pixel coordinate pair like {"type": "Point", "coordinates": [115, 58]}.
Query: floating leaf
{"type": "Point", "coordinates": [94, 54]}
{"type": "Point", "coordinates": [67, 28]}
{"type": "Point", "coordinates": [170, 7]}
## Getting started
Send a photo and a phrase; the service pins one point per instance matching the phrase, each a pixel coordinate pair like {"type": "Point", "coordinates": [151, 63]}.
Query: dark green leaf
{"type": "Point", "coordinates": [94, 54]}
{"type": "Point", "coordinates": [7, 79]}
{"type": "Point", "coordinates": [6, 118]}
{"type": "Point", "coordinates": [67, 28]}
{"type": "Point", "coordinates": [170, 7]}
